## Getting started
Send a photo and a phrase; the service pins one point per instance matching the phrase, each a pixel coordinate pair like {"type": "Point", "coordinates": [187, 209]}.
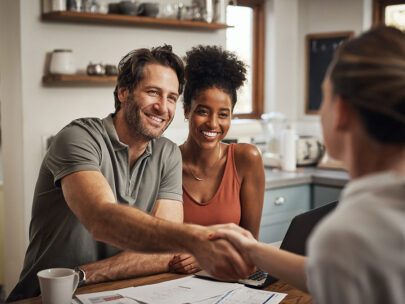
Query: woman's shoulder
{"type": "Point", "coordinates": [247, 152]}
{"type": "Point", "coordinates": [247, 156]}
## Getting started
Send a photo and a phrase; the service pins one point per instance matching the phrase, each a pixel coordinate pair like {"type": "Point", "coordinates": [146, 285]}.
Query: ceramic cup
{"type": "Point", "coordinates": [148, 9]}
{"type": "Point", "coordinates": [128, 8]}
{"type": "Point", "coordinates": [57, 285]}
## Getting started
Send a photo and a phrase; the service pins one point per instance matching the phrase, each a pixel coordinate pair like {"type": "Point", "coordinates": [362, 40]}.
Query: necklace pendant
{"type": "Point", "coordinates": [196, 177]}
{"type": "Point", "coordinates": [202, 179]}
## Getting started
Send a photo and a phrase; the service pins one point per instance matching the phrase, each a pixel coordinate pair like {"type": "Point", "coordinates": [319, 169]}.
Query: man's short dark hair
{"type": "Point", "coordinates": [131, 67]}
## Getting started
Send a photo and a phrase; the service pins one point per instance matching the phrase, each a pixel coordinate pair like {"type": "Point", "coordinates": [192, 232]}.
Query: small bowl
{"type": "Point", "coordinates": [128, 8]}
{"type": "Point", "coordinates": [111, 70]}
{"type": "Point", "coordinates": [148, 9]}
{"type": "Point", "coordinates": [95, 69]}
{"type": "Point", "coordinates": [114, 8]}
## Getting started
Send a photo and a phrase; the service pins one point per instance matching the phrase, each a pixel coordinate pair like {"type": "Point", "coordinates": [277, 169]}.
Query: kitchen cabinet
{"type": "Point", "coordinates": [322, 194]}
{"type": "Point", "coordinates": [291, 193]}
{"type": "Point", "coordinates": [279, 207]}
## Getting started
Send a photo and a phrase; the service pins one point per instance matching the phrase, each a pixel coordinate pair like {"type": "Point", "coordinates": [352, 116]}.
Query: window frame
{"type": "Point", "coordinates": [258, 58]}
{"type": "Point", "coordinates": [379, 9]}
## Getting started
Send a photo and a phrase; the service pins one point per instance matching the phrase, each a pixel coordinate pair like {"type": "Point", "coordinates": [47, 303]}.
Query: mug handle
{"type": "Point", "coordinates": [75, 282]}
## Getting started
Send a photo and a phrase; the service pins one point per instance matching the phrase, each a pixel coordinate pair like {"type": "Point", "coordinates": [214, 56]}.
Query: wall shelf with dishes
{"type": "Point", "coordinates": [79, 79]}
{"type": "Point", "coordinates": [115, 19]}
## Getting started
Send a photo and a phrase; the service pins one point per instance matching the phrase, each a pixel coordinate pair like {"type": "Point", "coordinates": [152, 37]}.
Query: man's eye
{"type": "Point", "coordinates": [153, 92]}
{"type": "Point", "coordinates": [223, 115]}
{"type": "Point", "coordinates": [173, 98]}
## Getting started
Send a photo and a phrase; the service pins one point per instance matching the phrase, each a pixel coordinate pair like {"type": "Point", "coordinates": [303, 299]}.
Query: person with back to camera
{"type": "Point", "coordinates": [221, 183]}
{"type": "Point", "coordinates": [356, 254]}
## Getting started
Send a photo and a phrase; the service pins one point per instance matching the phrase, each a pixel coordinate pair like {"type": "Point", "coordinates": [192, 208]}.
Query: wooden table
{"type": "Point", "coordinates": [294, 296]}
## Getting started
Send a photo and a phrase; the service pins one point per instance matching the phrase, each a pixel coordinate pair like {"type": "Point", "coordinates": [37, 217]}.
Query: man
{"type": "Point", "coordinates": [96, 170]}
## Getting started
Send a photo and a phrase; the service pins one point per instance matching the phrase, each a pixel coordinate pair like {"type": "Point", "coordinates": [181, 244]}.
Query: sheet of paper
{"type": "Point", "coordinates": [109, 297]}
{"type": "Point", "coordinates": [208, 301]}
{"type": "Point", "coordinates": [245, 295]}
{"type": "Point", "coordinates": [185, 290]}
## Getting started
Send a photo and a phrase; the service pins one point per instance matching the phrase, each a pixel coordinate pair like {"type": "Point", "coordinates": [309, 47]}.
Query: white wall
{"type": "Point", "coordinates": [281, 56]}
{"type": "Point", "coordinates": [288, 23]}
{"type": "Point", "coordinates": [12, 137]}
{"type": "Point", "coordinates": [31, 110]}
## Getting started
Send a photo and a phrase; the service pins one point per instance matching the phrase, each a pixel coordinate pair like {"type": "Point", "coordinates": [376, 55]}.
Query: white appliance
{"type": "Point", "coordinates": [309, 150]}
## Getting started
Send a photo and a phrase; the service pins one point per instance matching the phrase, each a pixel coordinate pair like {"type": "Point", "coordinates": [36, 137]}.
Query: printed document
{"type": "Point", "coordinates": [109, 297]}
{"type": "Point", "coordinates": [246, 295]}
{"type": "Point", "coordinates": [188, 290]}
{"type": "Point", "coordinates": [185, 290]}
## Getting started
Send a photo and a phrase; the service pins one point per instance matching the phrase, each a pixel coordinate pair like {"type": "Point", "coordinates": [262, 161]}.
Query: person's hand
{"type": "Point", "coordinates": [219, 257]}
{"type": "Point", "coordinates": [184, 263]}
{"type": "Point", "coordinates": [242, 239]}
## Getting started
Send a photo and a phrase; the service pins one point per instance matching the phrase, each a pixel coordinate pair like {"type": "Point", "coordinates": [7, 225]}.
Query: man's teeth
{"type": "Point", "coordinates": [155, 118]}
{"type": "Point", "coordinates": [210, 134]}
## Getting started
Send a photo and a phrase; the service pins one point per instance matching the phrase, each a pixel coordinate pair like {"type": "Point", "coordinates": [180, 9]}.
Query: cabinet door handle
{"type": "Point", "coordinates": [279, 200]}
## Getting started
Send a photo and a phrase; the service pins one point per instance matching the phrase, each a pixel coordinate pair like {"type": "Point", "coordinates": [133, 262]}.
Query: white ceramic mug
{"type": "Point", "coordinates": [57, 285]}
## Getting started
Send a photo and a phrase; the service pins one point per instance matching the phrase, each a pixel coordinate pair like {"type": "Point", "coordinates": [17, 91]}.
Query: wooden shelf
{"type": "Point", "coordinates": [79, 79]}
{"type": "Point", "coordinates": [114, 19]}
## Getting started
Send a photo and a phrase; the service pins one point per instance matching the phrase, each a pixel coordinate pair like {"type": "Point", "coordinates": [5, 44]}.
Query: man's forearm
{"type": "Point", "coordinates": [126, 265]}
{"type": "Point", "coordinates": [140, 231]}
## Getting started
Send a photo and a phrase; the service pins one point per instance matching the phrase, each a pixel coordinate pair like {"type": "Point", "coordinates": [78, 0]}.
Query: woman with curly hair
{"type": "Point", "coordinates": [221, 183]}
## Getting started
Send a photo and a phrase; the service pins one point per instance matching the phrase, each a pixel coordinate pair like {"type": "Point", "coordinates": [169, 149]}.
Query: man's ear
{"type": "Point", "coordinates": [344, 113]}
{"type": "Point", "coordinates": [122, 94]}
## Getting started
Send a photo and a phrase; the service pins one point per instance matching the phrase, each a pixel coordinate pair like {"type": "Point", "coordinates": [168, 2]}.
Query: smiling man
{"type": "Point", "coordinates": [97, 169]}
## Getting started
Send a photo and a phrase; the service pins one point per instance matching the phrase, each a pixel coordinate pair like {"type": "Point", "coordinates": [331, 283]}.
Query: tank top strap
{"type": "Point", "coordinates": [231, 165]}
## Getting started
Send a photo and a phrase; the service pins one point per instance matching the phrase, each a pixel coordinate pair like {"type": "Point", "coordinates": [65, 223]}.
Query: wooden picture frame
{"type": "Point", "coordinates": [320, 49]}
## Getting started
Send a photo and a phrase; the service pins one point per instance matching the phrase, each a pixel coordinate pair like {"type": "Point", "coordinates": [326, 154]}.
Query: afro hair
{"type": "Point", "coordinates": [211, 66]}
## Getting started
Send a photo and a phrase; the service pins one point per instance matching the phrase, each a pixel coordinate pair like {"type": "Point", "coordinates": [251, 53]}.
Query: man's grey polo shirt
{"type": "Point", "coordinates": [57, 238]}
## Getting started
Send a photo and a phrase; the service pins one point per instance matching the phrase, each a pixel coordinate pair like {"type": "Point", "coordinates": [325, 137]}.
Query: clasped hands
{"type": "Point", "coordinates": [224, 252]}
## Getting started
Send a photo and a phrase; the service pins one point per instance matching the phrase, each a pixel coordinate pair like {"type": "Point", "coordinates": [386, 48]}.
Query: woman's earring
{"type": "Point", "coordinates": [185, 119]}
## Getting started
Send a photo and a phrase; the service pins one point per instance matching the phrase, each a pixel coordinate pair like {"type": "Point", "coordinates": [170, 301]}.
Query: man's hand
{"type": "Point", "coordinates": [239, 237]}
{"type": "Point", "coordinates": [184, 263]}
{"type": "Point", "coordinates": [218, 257]}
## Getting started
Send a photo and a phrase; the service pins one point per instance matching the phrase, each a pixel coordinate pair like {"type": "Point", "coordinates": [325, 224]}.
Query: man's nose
{"type": "Point", "coordinates": [162, 105]}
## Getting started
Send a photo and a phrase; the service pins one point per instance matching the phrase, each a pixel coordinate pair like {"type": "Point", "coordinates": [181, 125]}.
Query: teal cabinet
{"type": "Point", "coordinates": [279, 207]}
{"type": "Point", "coordinates": [322, 195]}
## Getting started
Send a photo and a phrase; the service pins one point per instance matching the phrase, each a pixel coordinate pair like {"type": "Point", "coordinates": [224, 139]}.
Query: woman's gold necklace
{"type": "Point", "coordinates": [202, 179]}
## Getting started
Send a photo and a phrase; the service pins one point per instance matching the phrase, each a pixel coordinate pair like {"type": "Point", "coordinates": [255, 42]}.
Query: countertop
{"type": "Point", "coordinates": [275, 178]}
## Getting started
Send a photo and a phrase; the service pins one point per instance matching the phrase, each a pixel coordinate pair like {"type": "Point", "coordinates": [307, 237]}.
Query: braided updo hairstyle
{"type": "Point", "coordinates": [211, 66]}
{"type": "Point", "coordinates": [369, 73]}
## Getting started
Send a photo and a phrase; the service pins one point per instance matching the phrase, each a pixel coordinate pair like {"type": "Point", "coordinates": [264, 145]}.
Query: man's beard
{"type": "Point", "coordinates": [133, 117]}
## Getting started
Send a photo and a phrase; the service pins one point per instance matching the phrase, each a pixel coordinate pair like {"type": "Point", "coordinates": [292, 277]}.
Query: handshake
{"type": "Point", "coordinates": [225, 252]}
